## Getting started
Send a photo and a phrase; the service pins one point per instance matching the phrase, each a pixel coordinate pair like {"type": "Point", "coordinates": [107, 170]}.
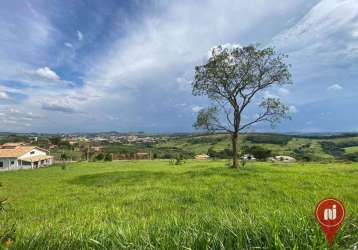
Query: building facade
{"type": "Point", "coordinates": [14, 157]}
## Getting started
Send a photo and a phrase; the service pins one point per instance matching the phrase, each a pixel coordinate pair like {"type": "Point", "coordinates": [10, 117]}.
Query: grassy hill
{"type": "Point", "coordinates": [350, 150]}
{"type": "Point", "coordinates": [278, 144]}
{"type": "Point", "coordinates": [198, 205]}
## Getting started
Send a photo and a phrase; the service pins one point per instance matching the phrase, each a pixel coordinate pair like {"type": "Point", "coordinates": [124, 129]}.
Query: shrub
{"type": "Point", "coordinates": [99, 157]}
{"type": "Point", "coordinates": [223, 154]}
{"type": "Point", "coordinates": [179, 159]}
{"type": "Point", "coordinates": [352, 157]}
{"type": "Point", "coordinates": [332, 149]}
{"type": "Point", "coordinates": [305, 153]}
{"type": "Point", "coordinates": [63, 157]}
{"type": "Point", "coordinates": [108, 157]}
{"type": "Point", "coordinates": [258, 152]}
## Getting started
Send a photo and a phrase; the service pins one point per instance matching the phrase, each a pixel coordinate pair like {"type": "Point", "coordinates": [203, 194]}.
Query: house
{"type": "Point", "coordinates": [15, 156]}
{"type": "Point", "coordinates": [202, 157]}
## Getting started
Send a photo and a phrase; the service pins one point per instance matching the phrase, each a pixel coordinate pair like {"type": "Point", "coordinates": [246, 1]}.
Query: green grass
{"type": "Point", "coordinates": [224, 142]}
{"type": "Point", "coordinates": [199, 205]}
{"type": "Point", "coordinates": [350, 150]}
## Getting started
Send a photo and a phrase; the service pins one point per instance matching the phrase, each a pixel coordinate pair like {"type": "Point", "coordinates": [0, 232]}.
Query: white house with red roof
{"type": "Point", "coordinates": [15, 156]}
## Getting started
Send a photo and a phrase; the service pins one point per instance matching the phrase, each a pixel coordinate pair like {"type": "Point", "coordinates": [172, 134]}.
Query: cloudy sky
{"type": "Point", "coordinates": [93, 65]}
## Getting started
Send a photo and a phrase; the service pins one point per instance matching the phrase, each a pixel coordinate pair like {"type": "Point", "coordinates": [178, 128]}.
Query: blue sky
{"type": "Point", "coordinates": [69, 66]}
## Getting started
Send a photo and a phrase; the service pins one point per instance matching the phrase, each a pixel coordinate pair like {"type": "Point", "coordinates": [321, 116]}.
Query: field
{"type": "Point", "coordinates": [197, 205]}
{"type": "Point", "coordinates": [350, 150]}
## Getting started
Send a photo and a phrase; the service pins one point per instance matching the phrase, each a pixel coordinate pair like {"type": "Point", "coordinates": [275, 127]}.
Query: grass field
{"type": "Point", "coordinates": [350, 150]}
{"type": "Point", "coordinates": [198, 205]}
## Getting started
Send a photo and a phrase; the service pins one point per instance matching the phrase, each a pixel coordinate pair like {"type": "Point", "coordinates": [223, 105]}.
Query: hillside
{"type": "Point", "coordinates": [308, 148]}
{"type": "Point", "coordinates": [154, 205]}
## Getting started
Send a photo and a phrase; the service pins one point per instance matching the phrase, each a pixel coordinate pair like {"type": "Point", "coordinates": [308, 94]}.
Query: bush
{"type": "Point", "coordinates": [352, 157]}
{"type": "Point", "coordinates": [99, 157]}
{"type": "Point", "coordinates": [179, 159]}
{"type": "Point", "coordinates": [332, 149]}
{"type": "Point", "coordinates": [63, 157]}
{"type": "Point", "coordinates": [223, 154]}
{"type": "Point", "coordinates": [305, 153]}
{"type": "Point", "coordinates": [108, 157]}
{"type": "Point", "coordinates": [258, 152]}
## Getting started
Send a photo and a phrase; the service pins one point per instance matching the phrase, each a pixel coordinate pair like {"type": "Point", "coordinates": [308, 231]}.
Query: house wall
{"type": "Point", "coordinates": [36, 153]}
{"type": "Point", "coordinates": [7, 164]}
{"type": "Point", "coordinates": [17, 161]}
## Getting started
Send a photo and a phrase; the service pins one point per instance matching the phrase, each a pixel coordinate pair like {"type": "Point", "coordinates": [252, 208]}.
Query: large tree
{"type": "Point", "coordinates": [233, 79]}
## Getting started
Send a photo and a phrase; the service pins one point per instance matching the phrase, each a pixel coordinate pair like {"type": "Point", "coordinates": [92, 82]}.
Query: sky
{"type": "Point", "coordinates": [116, 65]}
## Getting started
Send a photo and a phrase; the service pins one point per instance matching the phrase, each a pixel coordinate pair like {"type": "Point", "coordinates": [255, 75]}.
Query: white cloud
{"type": "Point", "coordinates": [4, 96]}
{"type": "Point", "coordinates": [321, 48]}
{"type": "Point", "coordinates": [225, 45]}
{"type": "Point", "coordinates": [268, 94]}
{"type": "Point", "coordinates": [283, 91]}
{"type": "Point", "coordinates": [57, 106]}
{"type": "Point", "coordinates": [335, 87]}
{"type": "Point", "coordinates": [79, 35]}
{"type": "Point", "coordinates": [44, 77]}
{"type": "Point", "coordinates": [14, 118]}
{"type": "Point", "coordinates": [292, 109]}
{"type": "Point", "coordinates": [152, 57]}
{"type": "Point", "coordinates": [324, 19]}
{"type": "Point", "coordinates": [177, 39]}
{"type": "Point", "coordinates": [355, 33]}
{"type": "Point", "coordinates": [47, 73]}
{"type": "Point", "coordinates": [25, 37]}
{"type": "Point", "coordinates": [69, 45]}
{"type": "Point", "coordinates": [196, 109]}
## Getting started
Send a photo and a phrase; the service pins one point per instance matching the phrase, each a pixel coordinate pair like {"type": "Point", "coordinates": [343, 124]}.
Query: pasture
{"type": "Point", "coordinates": [350, 150]}
{"type": "Point", "coordinates": [198, 205]}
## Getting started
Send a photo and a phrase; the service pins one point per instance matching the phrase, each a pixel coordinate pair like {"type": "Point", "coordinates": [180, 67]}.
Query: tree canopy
{"type": "Point", "coordinates": [231, 79]}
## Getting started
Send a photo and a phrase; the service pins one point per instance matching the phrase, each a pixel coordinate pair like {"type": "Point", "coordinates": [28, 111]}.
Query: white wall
{"type": "Point", "coordinates": [7, 161]}
{"type": "Point", "coordinates": [7, 164]}
{"type": "Point", "coordinates": [36, 153]}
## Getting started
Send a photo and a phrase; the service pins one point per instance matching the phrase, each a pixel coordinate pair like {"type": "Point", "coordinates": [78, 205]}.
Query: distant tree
{"type": "Point", "coordinates": [63, 157]}
{"type": "Point", "coordinates": [55, 140]}
{"type": "Point", "coordinates": [179, 159]}
{"type": "Point", "coordinates": [100, 157]}
{"type": "Point", "coordinates": [231, 79]}
{"type": "Point", "coordinates": [108, 157]}
{"type": "Point", "coordinates": [258, 152]}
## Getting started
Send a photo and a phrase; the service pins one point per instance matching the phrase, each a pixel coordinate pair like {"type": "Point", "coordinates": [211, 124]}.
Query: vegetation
{"type": "Point", "coordinates": [231, 79]}
{"type": "Point", "coordinates": [199, 205]}
{"type": "Point", "coordinates": [306, 148]}
{"type": "Point", "coordinates": [269, 138]}
{"type": "Point", "coordinates": [350, 150]}
{"type": "Point", "coordinates": [258, 152]}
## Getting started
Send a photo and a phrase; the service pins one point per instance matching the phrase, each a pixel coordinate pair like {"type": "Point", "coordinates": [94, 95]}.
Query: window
{"type": "Point", "coordinates": [1, 164]}
{"type": "Point", "coordinates": [32, 152]}
{"type": "Point", "coordinates": [12, 162]}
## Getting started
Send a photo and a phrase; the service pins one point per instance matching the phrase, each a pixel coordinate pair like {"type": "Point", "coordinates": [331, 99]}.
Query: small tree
{"type": "Point", "coordinates": [108, 157]}
{"type": "Point", "coordinates": [63, 157]}
{"type": "Point", "coordinates": [231, 79]}
{"type": "Point", "coordinates": [99, 157]}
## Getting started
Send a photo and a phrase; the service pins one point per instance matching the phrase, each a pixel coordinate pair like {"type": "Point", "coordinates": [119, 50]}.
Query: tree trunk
{"type": "Point", "coordinates": [235, 159]}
